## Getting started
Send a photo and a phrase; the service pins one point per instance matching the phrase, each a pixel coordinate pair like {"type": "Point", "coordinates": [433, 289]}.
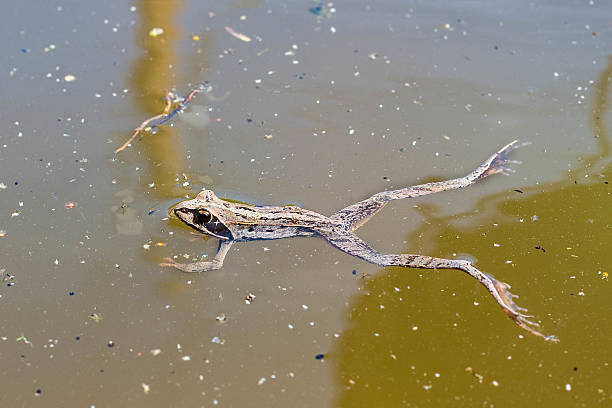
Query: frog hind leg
{"type": "Point", "coordinates": [353, 245]}
{"type": "Point", "coordinates": [355, 215]}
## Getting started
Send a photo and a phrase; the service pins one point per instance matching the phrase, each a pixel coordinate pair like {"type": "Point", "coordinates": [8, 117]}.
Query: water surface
{"type": "Point", "coordinates": [326, 104]}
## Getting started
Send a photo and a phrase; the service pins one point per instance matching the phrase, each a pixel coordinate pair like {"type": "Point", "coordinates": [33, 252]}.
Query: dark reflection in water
{"type": "Point", "coordinates": [417, 338]}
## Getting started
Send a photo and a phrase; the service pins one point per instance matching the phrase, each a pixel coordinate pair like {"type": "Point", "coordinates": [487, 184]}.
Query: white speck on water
{"type": "Point", "coordinates": [261, 381]}
{"type": "Point", "coordinates": [568, 387]}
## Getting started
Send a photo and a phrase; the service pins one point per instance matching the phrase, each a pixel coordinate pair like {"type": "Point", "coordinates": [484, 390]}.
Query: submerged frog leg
{"type": "Point", "coordinates": [353, 245]}
{"type": "Point", "coordinates": [202, 266]}
{"type": "Point", "coordinates": [354, 216]}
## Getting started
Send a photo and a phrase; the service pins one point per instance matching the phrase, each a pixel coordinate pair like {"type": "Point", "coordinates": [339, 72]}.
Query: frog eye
{"type": "Point", "coordinates": [203, 216]}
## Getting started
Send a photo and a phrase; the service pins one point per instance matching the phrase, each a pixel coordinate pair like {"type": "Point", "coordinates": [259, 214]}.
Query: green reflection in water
{"type": "Point", "coordinates": [247, 4]}
{"type": "Point", "coordinates": [154, 74]}
{"type": "Point", "coordinates": [422, 338]}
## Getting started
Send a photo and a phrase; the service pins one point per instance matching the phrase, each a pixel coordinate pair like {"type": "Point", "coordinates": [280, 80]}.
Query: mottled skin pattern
{"type": "Point", "coordinates": [231, 222]}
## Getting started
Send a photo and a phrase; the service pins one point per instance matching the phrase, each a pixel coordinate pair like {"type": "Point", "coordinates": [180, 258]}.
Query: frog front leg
{"type": "Point", "coordinates": [202, 266]}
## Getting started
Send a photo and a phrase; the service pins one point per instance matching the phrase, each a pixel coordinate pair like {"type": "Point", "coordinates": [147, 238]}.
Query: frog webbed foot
{"type": "Point", "coordinates": [499, 162]}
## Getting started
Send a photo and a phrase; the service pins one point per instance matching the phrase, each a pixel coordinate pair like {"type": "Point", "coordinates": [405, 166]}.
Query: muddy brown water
{"type": "Point", "coordinates": [328, 103]}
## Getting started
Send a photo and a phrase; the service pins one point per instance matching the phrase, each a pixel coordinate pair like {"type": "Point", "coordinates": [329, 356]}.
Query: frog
{"type": "Point", "coordinates": [230, 222]}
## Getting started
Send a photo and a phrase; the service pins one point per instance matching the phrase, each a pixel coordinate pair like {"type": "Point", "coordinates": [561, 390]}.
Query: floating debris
{"type": "Point", "coordinates": [238, 35]}
{"type": "Point", "coordinates": [169, 112]}
{"type": "Point", "coordinates": [8, 277]}
{"type": "Point", "coordinates": [155, 32]}
{"type": "Point", "coordinates": [24, 339]}
{"type": "Point", "coordinates": [470, 370]}
{"type": "Point", "coordinates": [95, 317]}
{"type": "Point", "coordinates": [250, 298]}
{"type": "Point", "coordinates": [69, 78]}
{"type": "Point", "coordinates": [320, 9]}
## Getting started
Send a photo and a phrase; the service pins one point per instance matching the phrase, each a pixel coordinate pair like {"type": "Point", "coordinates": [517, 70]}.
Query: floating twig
{"type": "Point", "coordinates": [169, 112]}
{"type": "Point", "coordinates": [237, 35]}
